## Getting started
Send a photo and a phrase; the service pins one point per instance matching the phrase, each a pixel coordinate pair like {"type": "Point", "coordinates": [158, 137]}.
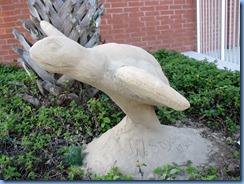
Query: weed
{"type": "Point", "coordinates": [74, 155]}
{"type": "Point", "coordinates": [140, 166]}
{"type": "Point", "coordinates": [167, 173]}
{"type": "Point", "coordinates": [171, 172]}
{"type": "Point", "coordinates": [236, 154]}
{"type": "Point", "coordinates": [113, 174]}
{"type": "Point", "coordinates": [74, 171]}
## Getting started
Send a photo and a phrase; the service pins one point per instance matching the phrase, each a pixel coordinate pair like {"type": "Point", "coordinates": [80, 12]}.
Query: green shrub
{"type": "Point", "coordinates": [214, 94]}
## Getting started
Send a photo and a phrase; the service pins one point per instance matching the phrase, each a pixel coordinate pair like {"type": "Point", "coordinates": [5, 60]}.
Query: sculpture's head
{"type": "Point", "coordinates": [57, 54]}
{"type": "Point", "coordinates": [60, 54]}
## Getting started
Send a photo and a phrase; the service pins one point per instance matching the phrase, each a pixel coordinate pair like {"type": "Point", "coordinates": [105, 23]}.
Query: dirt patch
{"type": "Point", "coordinates": [227, 158]}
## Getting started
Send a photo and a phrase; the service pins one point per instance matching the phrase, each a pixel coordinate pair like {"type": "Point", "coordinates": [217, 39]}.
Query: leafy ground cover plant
{"type": "Point", "coordinates": [174, 171]}
{"type": "Point", "coordinates": [113, 174]}
{"type": "Point", "coordinates": [38, 143]}
{"type": "Point", "coordinates": [33, 140]}
{"type": "Point", "coordinates": [214, 94]}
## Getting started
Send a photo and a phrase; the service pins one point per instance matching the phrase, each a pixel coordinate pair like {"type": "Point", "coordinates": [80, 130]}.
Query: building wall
{"type": "Point", "coordinates": [150, 24]}
{"type": "Point", "coordinates": [10, 12]}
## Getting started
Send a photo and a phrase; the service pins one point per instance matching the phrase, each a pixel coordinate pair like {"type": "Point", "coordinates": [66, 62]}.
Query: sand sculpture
{"type": "Point", "coordinates": [134, 80]}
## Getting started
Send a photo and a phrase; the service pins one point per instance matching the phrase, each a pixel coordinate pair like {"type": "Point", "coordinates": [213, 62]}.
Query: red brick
{"type": "Point", "coordinates": [136, 4]}
{"type": "Point", "coordinates": [136, 24]}
{"type": "Point", "coordinates": [119, 4]}
{"type": "Point", "coordinates": [147, 8]}
{"type": "Point", "coordinates": [188, 25]}
{"type": "Point", "coordinates": [9, 19]}
{"type": "Point", "coordinates": [3, 41]}
{"type": "Point", "coordinates": [165, 21]}
{"type": "Point", "coordinates": [134, 30]}
{"type": "Point", "coordinates": [153, 23]}
{"type": "Point", "coordinates": [178, 21]}
{"type": "Point", "coordinates": [148, 18]}
{"type": "Point", "coordinates": [8, 33]}
{"type": "Point", "coordinates": [6, 2]}
{"type": "Point", "coordinates": [153, 13]}
{"type": "Point", "coordinates": [149, 28]}
{"type": "Point", "coordinates": [155, 33]}
{"type": "Point", "coordinates": [121, 26]}
{"type": "Point", "coordinates": [138, 34]}
{"type": "Point", "coordinates": [3, 52]}
{"type": "Point", "coordinates": [8, 24]}
{"type": "Point", "coordinates": [12, 41]}
{"type": "Point", "coordinates": [180, 12]}
{"type": "Point", "coordinates": [22, 6]}
{"type": "Point", "coordinates": [115, 10]}
{"type": "Point", "coordinates": [179, 1]}
{"type": "Point", "coordinates": [175, 7]}
{"type": "Point", "coordinates": [2, 31]}
{"type": "Point", "coordinates": [136, 14]}
{"type": "Point", "coordinates": [118, 41]}
{"type": "Point", "coordinates": [162, 8]}
{"type": "Point", "coordinates": [163, 27]}
{"type": "Point", "coordinates": [189, 7]}
{"type": "Point", "coordinates": [176, 26]}
{"type": "Point", "coordinates": [131, 9]}
{"type": "Point", "coordinates": [117, 31]}
{"type": "Point", "coordinates": [167, 12]}
{"type": "Point", "coordinates": [148, 3]}
{"type": "Point", "coordinates": [120, 16]}
{"type": "Point", "coordinates": [135, 40]}
{"type": "Point", "coordinates": [140, 44]}
{"type": "Point", "coordinates": [117, 21]}
{"type": "Point", "coordinates": [7, 8]}
{"type": "Point", "coordinates": [10, 57]}
{"type": "Point", "coordinates": [6, 14]}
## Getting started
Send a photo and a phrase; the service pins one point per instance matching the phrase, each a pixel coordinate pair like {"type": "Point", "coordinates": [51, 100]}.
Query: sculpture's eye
{"type": "Point", "coordinates": [54, 45]}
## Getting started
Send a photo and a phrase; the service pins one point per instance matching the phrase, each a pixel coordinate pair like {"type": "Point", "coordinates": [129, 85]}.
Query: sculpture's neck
{"type": "Point", "coordinates": [137, 113]}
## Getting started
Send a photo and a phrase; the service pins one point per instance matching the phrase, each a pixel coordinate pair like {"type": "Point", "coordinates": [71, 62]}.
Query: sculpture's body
{"type": "Point", "coordinates": [135, 81]}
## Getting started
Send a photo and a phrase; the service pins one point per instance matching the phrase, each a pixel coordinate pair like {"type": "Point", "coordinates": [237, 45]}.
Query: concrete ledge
{"type": "Point", "coordinates": [220, 63]}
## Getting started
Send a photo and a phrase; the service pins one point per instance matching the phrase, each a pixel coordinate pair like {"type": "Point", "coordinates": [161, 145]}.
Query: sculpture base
{"type": "Point", "coordinates": [129, 144]}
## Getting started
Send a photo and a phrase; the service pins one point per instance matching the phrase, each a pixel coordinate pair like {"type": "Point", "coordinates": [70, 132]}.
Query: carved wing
{"type": "Point", "coordinates": [149, 88]}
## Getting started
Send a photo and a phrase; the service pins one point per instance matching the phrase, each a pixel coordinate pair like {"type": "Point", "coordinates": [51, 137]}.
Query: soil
{"type": "Point", "coordinates": [227, 164]}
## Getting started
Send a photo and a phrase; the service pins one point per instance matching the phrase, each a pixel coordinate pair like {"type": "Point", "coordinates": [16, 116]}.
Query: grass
{"type": "Point", "coordinates": [43, 144]}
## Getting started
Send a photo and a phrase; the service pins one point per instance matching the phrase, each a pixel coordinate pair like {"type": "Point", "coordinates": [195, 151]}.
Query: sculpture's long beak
{"type": "Point", "coordinates": [50, 30]}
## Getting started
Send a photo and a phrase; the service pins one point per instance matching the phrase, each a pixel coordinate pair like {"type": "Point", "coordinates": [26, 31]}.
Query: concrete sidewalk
{"type": "Point", "coordinates": [220, 63]}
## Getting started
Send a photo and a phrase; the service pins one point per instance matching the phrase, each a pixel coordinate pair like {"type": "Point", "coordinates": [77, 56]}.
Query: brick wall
{"type": "Point", "coordinates": [10, 12]}
{"type": "Point", "coordinates": [151, 24]}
